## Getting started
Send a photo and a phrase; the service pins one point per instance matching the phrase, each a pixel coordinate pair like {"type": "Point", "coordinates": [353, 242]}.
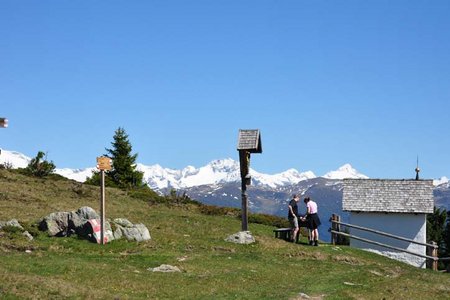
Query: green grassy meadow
{"type": "Point", "coordinates": [71, 268]}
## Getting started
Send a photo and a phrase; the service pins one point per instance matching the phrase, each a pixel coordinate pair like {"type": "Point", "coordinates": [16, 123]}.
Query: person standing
{"type": "Point", "coordinates": [312, 220]}
{"type": "Point", "coordinates": [292, 216]}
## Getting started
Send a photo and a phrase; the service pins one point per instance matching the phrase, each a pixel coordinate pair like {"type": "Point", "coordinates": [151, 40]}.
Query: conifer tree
{"type": "Point", "coordinates": [437, 232]}
{"type": "Point", "coordinates": [436, 225]}
{"type": "Point", "coordinates": [123, 173]}
{"type": "Point", "coordinates": [447, 239]}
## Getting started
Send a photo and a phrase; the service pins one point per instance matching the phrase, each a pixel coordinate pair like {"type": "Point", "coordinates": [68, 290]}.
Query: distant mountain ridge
{"type": "Point", "coordinates": [216, 172]}
{"type": "Point", "coordinates": [218, 183]}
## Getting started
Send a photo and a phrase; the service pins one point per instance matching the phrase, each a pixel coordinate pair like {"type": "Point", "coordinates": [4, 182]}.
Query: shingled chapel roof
{"type": "Point", "coordinates": [388, 195]}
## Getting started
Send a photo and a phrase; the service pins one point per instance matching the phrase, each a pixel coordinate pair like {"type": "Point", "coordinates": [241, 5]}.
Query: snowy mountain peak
{"type": "Point", "coordinates": [221, 165]}
{"type": "Point", "coordinates": [288, 177]}
{"type": "Point", "coordinates": [441, 181]}
{"type": "Point", "coordinates": [345, 171]}
{"type": "Point", "coordinates": [14, 159]}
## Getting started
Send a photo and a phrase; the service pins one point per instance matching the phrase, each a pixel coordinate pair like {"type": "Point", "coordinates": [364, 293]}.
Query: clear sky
{"type": "Point", "coordinates": [326, 82]}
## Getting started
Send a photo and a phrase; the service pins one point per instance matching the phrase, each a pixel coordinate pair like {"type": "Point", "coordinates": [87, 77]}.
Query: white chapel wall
{"type": "Point", "coordinates": [411, 226]}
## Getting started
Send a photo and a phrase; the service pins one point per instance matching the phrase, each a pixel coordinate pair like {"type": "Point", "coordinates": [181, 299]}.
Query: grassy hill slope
{"type": "Point", "coordinates": [184, 237]}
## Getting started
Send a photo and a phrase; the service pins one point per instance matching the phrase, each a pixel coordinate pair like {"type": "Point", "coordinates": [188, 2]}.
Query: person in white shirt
{"type": "Point", "coordinates": [312, 220]}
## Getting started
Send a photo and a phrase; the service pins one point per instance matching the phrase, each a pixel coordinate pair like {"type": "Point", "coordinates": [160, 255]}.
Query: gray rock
{"type": "Point", "coordinates": [87, 213]}
{"type": "Point", "coordinates": [93, 234]}
{"type": "Point", "coordinates": [85, 223]}
{"type": "Point", "coordinates": [165, 269]}
{"type": "Point", "coordinates": [28, 235]}
{"type": "Point", "coordinates": [67, 223]}
{"type": "Point", "coordinates": [56, 224]}
{"type": "Point", "coordinates": [123, 222]}
{"type": "Point", "coordinates": [79, 218]}
{"type": "Point", "coordinates": [132, 232]}
{"type": "Point", "coordinates": [12, 223]}
{"type": "Point", "coordinates": [242, 237]}
{"type": "Point", "coordinates": [303, 296]}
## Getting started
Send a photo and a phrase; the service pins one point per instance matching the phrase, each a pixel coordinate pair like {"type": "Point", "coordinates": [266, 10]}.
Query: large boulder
{"type": "Point", "coordinates": [56, 224]}
{"type": "Point", "coordinates": [79, 218]}
{"type": "Point", "coordinates": [67, 223]}
{"type": "Point", "coordinates": [91, 231]}
{"type": "Point", "coordinates": [85, 222]}
{"type": "Point", "coordinates": [132, 232]}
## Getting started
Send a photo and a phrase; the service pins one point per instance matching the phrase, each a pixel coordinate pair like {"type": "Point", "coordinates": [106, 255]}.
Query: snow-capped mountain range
{"type": "Point", "coordinates": [216, 172]}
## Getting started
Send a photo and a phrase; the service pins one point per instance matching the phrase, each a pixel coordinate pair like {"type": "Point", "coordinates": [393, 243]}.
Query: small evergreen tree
{"type": "Point", "coordinates": [123, 173]}
{"type": "Point", "coordinates": [447, 239]}
{"type": "Point", "coordinates": [39, 166]}
{"type": "Point", "coordinates": [436, 225]}
{"type": "Point", "coordinates": [436, 231]}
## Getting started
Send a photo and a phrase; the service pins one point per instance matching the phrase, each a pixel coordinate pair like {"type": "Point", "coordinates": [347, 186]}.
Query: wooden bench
{"type": "Point", "coordinates": [284, 234]}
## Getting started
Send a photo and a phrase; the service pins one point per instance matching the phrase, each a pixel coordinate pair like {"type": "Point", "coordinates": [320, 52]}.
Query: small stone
{"type": "Point", "coordinates": [165, 269]}
{"type": "Point", "coordinates": [351, 283]}
{"type": "Point", "coordinates": [28, 235]}
{"type": "Point", "coordinates": [242, 237]}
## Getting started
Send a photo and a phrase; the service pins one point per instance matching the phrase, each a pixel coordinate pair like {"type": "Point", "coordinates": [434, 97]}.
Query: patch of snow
{"type": "Point", "coordinates": [79, 175]}
{"type": "Point", "coordinates": [346, 171]}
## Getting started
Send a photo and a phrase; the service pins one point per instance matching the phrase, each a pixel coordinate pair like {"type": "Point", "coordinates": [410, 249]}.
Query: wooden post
{"type": "Point", "coordinates": [244, 157]}
{"type": "Point", "coordinates": [434, 254]}
{"type": "Point", "coordinates": [249, 142]}
{"type": "Point", "coordinates": [338, 229]}
{"type": "Point", "coordinates": [244, 206]}
{"type": "Point", "coordinates": [333, 227]}
{"type": "Point", "coordinates": [102, 208]}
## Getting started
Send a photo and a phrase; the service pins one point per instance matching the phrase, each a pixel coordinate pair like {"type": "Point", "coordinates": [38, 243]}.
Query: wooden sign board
{"type": "Point", "coordinates": [249, 140]}
{"type": "Point", "coordinates": [104, 163]}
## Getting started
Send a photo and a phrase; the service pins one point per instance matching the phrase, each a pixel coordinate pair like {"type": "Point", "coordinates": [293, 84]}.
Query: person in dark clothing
{"type": "Point", "coordinates": [292, 216]}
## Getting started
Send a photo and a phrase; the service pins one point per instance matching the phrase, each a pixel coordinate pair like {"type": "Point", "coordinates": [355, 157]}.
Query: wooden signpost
{"type": "Point", "coordinates": [249, 142]}
{"type": "Point", "coordinates": [103, 164]}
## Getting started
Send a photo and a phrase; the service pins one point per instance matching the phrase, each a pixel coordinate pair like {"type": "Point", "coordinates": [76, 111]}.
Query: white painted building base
{"type": "Point", "coordinates": [410, 226]}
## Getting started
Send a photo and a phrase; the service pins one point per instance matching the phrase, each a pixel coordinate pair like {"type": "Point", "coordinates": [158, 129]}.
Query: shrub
{"type": "Point", "coordinates": [6, 166]}
{"type": "Point", "coordinates": [40, 167]}
{"type": "Point", "coordinates": [146, 194]}
{"type": "Point", "coordinates": [269, 220]}
{"type": "Point", "coordinates": [174, 198]}
{"type": "Point", "coordinates": [263, 219]}
{"type": "Point", "coordinates": [219, 211]}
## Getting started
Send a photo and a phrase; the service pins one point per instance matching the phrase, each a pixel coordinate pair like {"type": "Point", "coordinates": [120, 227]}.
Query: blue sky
{"type": "Point", "coordinates": [326, 82]}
